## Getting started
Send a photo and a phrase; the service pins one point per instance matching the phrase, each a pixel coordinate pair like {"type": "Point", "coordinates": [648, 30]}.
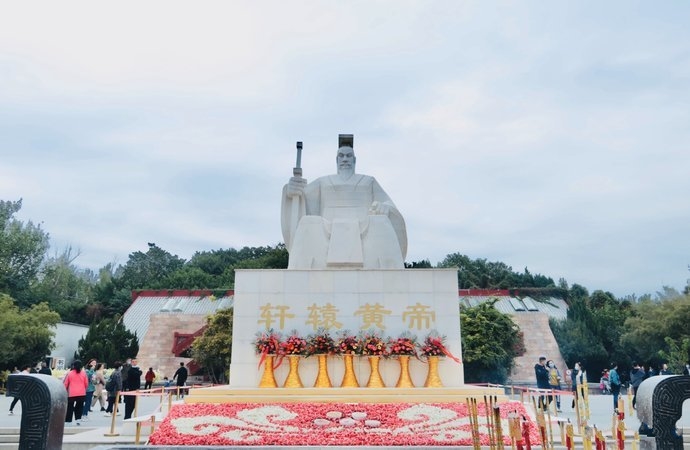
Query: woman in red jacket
{"type": "Point", "coordinates": [76, 382]}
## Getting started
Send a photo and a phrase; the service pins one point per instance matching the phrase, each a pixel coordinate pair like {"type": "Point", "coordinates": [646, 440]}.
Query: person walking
{"type": "Point", "coordinates": [90, 389]}
{"type": "Point", "coordinates": [113, 386]}
{"type": "Point", "coordinates": [555, 381]}
{"type": "Point", "coordinates": [132, 383]}
{"type": "Point", "coordinates": [665, 370]}
{"type": "Point", "coordinates": [615, 381]}
{"type": "Point", "coordinates": [148, 378]}
{"type": "Point", "coordinates": [25, 369]}
{"type": "Point", "coordinates": [542, 375]}
{"type": "Point", "coordinates": [637, 376]}
{"type": "Point", "coordinates": [100, 388]}
{"type": "Point", "coordinates": [576, 378]}
{"type": "Point", "coordinates": [45, 370]}
{"type": "Point", "coordinates": [76, 383]}
{"type": "Point", "coordinates": [180, 376]}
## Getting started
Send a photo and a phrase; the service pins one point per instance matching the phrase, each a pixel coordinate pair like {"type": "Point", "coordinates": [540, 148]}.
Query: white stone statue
{"type": "Point", "coordinates": [345, 220]}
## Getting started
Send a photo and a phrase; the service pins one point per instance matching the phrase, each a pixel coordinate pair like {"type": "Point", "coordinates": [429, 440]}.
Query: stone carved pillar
{"type": "Point", "coordinates": [44, 405]}
{"type": "Point", "coordinates": [660, 405]}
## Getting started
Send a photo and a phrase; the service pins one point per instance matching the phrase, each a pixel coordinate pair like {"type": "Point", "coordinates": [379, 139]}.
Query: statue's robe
{"type": "Point", "coordinates": [336, 230]}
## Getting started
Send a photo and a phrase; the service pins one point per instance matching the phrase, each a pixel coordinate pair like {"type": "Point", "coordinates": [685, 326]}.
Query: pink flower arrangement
{"type": "Point", "coordinates": [348, 344]}
{"type": "Point", "coordinates": [404, 345]}
{"type": "Point", "coordinates": [434, 345]}
{"type": "Point", "coordinates": [373, 344]}
{"type": "Point", "coordinates": [294, 345]}
{"type": "Point", "coordinates": [267, 342]}
{"type": "Point", "coordinates": [323, 424]}
{"type": "Point", "coordinates": [320, 343]}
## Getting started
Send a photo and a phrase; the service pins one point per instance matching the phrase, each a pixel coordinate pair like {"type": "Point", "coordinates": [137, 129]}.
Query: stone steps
{"type": "Point", "coordinates": [226, 394]}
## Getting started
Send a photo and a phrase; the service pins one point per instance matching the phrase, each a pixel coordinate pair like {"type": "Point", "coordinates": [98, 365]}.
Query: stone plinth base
{"type": "Point", "coordinates": [388, 301]}
{"type": "Point", "coordinates": [225, 394]}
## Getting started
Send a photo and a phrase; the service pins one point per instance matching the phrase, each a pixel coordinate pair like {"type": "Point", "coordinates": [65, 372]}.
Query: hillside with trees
{"type": "Point", "coordinates": [39, 288]}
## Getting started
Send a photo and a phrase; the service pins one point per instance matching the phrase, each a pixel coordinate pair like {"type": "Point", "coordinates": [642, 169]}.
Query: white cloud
{"type": "Point", "coordinates": [543, 136]}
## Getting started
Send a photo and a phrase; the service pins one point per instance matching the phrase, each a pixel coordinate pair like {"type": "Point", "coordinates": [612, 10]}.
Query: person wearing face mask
{"type": "Point", "coordinates": [541, 373]}
{"type": "Point", "coordinates": [576, 378]}
{"type": "Point", "coordinates": [555, 381]}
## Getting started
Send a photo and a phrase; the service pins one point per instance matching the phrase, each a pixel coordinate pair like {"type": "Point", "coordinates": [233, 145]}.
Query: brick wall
{"type": "Point", "coordinates": [539, 340]}
{"type": "Point", "coordinates": [156, 347]}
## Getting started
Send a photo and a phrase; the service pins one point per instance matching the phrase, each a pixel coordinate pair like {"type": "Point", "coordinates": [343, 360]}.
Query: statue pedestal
{"type": "Point", "coordinates": [390, 301]}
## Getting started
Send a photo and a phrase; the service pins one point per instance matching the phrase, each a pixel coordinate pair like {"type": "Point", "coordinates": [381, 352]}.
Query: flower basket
{"type": "Point", "coordinates": [293, 348]}
{"type": "Point", "coordinates": [320, 343]}
{"type": "Point", "coordinates": [404, 345]}
{"type": "Point", "coordinates": [432, 349]}
{"type": "Point", "coordinates": [373, 344]}
{"type": "Point", "coordinates": [267, 345]}
{"type": "Point", "coordinates": [434, 345]}
{"type": "Point", "coordinates": [348, 345]}
{"type": "Point", "coordinates": [294, 345]}
{"type": "Point", "coordinates": [374, 347]}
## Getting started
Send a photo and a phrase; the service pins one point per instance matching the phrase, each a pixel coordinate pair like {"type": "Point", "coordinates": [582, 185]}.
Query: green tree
{"type": "Point", "coordinates": [26, 335]}
{"type": "Point", "coordinates": [22, 249]}
{"type": "Point", "coordinates": [658, 329]}
{"type": "Point", "coordinates": [578, 343]}
{"type": "Point", "coordinates": [423, 264]}
{"type": "Point", "coordinates": [490, 343]}
{"type": "Point", "coordinates": [66, 288]}
{"type": "Point", "coordinates": [483, 274]}
{"type": "Point", "coordinates": [108, 340]}
{"type": "Point", "coordinates": [148, 270]}
{"type": "Point", "coordinates": [592, 330]}
{"type": "Point", "coordinates": [212, 349]}
{"type": "Point", "coordinates": [223, 263]}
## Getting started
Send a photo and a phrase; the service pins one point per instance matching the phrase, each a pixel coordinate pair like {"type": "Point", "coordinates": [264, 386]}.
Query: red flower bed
{"type": "Point", "coordinates": [327, 424]}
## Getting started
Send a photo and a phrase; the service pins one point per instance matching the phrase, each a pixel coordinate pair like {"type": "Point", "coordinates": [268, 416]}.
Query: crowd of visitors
{"type": "Point", "coordinates": [549, 377]}
{"type": "Point", "coordinates": [88, 386]}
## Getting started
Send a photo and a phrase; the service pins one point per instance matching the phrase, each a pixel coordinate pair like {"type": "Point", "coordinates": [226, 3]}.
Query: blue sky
{"type": "Point", "coordinates": [552, 136]}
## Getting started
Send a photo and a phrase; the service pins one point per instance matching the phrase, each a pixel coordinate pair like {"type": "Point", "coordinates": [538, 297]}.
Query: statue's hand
{"type": "Point", "coordinates": [295, 187]}
{"type": "Point", "coordinates": [379, 209]}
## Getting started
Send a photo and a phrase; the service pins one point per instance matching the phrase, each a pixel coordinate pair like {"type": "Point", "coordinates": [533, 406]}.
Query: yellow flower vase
{"type": "Point", "coordinates": [433, 379]}
{"type": "Point", "coordinates": [268, 379]}
{"type": "Point", "coordinates": [293, 380]}
{"type": "Point", "coordinates": [404, 380]}
{"type": "Point", "coordinates": [375, 380]}
{"type": "Point", "coordinates": [349, 378]}
{"type": "Point", "coordinates": [322, 378]}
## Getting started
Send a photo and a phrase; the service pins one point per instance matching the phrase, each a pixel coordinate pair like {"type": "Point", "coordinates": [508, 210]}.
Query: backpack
{"type": "Point", "coordinates": [110, 385]}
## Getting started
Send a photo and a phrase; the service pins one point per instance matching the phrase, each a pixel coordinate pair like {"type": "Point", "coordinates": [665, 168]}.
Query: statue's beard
{"type": "Point", "coordinates": [346, 172]}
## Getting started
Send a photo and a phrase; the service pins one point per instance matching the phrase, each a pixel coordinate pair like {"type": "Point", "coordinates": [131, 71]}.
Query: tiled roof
{"type": "Point", "coordinates": [554, 307]}
{"type": "Point", "coordinates": [137, 317]}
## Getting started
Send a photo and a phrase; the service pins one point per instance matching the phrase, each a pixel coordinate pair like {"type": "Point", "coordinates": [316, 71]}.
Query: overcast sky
{"type": "Point", "coordinates": [546, 135]}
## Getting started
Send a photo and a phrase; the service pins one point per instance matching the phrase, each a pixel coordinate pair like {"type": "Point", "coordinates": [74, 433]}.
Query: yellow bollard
{"type": "Point", "coordinates": [114, 414]}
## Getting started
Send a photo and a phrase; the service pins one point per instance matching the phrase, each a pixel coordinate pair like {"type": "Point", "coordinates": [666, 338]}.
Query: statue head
{"type": "Point", "coordinates": [345, 160]}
